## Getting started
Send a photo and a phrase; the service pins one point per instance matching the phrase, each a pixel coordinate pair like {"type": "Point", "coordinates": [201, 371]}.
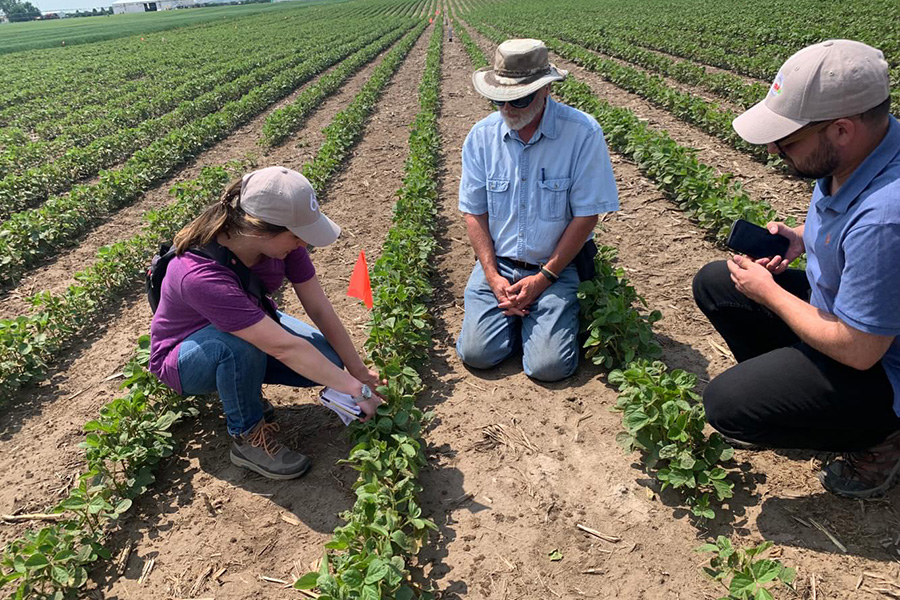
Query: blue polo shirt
{"type": "Point", "coordinates": [853, 249]}
{"type": "Point", "coordinates": [531, 192]}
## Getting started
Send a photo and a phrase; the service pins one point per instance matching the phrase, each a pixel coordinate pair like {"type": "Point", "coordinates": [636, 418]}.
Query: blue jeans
{"type": "Point", "coordinates": [548, 335]}
{"type": "Point", "coordinates": [210, 360]}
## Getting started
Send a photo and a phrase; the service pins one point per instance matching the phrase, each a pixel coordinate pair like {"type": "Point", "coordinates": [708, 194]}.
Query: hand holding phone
{"type": "Point", "coordinates": [755, 241]}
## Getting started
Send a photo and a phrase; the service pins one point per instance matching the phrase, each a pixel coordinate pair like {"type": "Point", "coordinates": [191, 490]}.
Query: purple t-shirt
{"type": "Point", "coordinates": [198, 291]}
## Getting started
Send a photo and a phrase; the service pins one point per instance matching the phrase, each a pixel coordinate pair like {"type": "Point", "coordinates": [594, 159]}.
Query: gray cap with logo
{"type": "Point", "coordinates": [280, 196]}
{"type": "Point", "coordinates": [829, 80]}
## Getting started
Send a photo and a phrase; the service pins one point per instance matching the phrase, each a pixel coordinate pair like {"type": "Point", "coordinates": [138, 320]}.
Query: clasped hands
{"type": "Point", "coordinates": [515, 298]}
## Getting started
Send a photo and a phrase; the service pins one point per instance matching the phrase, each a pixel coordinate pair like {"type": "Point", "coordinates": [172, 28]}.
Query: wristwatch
{"type": "Point", "coordinates": [365, 393]}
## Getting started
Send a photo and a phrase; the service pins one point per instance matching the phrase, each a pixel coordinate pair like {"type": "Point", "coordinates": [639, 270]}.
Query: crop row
{"type": "Point", "coordinates": [29, 343]}
{"type": "Point", "coordinates": [123, 447]}
{"type": "Point", "coordinates": [726, 85]}
{"type": "Point", "coordinates": [59, 127]}
{"type": "Point", "coordinates": [31, 188]}
{"type": "Point", "coordinates": [46, 117]}
{"type": "Point", "coordinates": [284, 121]}
{"type": "Point", "coordinates": [18, 192]}
{"type": "Point", "coordinates": [343, 132]}
{"type": "Point", "coordinates": [94, 74]}
{"type": "Point", "coordinates": [385, 529]}
{"type": "Point", "coordinates": [129, 438]}
{"type": "Point", "coordinates": [28, 236]}
{"type": "Point", "coordinates": [706, 31]}
{"type": "Point", "coordinates": [662, 417]}
{"type": "Point", "coordinates": [161, 62]}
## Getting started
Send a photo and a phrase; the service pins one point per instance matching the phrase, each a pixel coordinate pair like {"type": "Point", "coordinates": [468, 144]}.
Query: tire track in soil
{"type": "Point", "coordinates": [286, 531]}
{"type": "Point", "coordinates": [775, 487]}
{"type": "Point", "coordinates": [41, 428]}
{"type": "Point", "coordinates": [526, 503]}
{"type": "Point", "coordinates": [56, 276]}
{"type": "Point", "coordinates": [788, 195]}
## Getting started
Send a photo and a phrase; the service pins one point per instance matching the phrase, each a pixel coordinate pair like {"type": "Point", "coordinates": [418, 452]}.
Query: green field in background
{"type": "Point", "coordinates": [16, 37]}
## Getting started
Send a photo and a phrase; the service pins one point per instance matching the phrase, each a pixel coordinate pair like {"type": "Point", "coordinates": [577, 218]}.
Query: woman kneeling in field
{"type": "Point", "coordinates": [210, 333]}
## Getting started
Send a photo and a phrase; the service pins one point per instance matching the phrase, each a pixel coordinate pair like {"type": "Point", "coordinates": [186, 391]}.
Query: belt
{"type": "Point", "coordinates": [521, 264]}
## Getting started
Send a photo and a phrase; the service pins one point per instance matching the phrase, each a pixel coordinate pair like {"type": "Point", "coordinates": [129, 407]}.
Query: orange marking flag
{"type": "Point", "coordinates": [360, 286]}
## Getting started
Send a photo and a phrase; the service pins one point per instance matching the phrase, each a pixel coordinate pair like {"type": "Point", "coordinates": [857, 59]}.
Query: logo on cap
{"type": "Point", "coordinates": [313, 203]}
{"type": "Point", "coordinates": [777, 85]}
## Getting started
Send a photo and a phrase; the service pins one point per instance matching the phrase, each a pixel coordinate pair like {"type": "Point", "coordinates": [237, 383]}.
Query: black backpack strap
{"type": "Point", "coordinates": [249, 281]}
{"type": "Point", "coordinates": [156, 272]}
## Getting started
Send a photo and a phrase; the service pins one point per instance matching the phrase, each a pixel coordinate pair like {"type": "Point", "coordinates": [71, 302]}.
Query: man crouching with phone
{"type": "Point", "coordinates": [819, 363]}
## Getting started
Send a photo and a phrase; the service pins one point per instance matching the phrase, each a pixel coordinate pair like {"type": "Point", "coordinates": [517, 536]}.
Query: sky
{"type": "Point", "coordinates": [48, 5]}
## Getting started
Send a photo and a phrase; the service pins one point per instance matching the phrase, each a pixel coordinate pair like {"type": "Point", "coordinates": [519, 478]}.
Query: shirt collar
{"type": "Point", "coordinates": [874, 164]}
{"type": "Point", "coordinates": [547, 126]}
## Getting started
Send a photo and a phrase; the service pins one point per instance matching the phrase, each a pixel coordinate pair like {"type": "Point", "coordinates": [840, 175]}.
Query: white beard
{"type": "Point", "coordinates": [524, 117]}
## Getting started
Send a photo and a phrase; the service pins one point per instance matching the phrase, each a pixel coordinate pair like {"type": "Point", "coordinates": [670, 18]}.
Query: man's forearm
{"type": "Point", "coordinates": [480, 238]}
{"type": "Point", "coordinates": [827, 333]}
{"type": "Point", "coordinates": [570, 243]}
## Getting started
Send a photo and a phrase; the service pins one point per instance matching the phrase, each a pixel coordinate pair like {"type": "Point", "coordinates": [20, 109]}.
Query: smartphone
{"type": "Point", "coordinates": [755, 241]}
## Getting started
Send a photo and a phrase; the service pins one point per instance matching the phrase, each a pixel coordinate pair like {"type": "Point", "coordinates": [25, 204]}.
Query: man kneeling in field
{"type": "Point", "coordinates": [536, 175]}
{"type": "Point", "coordinates": [819, 363]}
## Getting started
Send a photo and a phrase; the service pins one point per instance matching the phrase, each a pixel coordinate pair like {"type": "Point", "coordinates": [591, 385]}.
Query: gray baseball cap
{"type": "Point", "coordinates": [829, 80]}
{"type": "Point", "coordinates": [280, 196]}
{"type": "Point", "coordinates": [520, 68]}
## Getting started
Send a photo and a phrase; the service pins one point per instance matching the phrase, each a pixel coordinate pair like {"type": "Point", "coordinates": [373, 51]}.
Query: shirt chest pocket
{"type": "Point", "coordinates": [499, 197]}
{"type": "Point", "coordinates": [554, 198]}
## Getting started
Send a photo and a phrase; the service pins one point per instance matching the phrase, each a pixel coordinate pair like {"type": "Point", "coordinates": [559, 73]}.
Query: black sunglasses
{"type": "Point", "coordinates": [801, 134]}
{"type": "Point", "coordinates": [518, 102]}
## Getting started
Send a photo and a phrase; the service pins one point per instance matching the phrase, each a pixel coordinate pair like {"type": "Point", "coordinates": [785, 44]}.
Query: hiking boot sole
{"type": "Point", "coordinates": [243, 462]}
{"type": "Point", "coordinates": [874, 492]}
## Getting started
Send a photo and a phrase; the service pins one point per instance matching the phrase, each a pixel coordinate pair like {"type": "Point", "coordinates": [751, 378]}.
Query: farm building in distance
{"type": "Point", "coordinates": [137, 6]}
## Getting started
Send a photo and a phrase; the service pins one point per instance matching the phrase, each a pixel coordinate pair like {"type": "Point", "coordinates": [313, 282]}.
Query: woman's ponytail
{"type": "Point", "coordinates": [225, 216]}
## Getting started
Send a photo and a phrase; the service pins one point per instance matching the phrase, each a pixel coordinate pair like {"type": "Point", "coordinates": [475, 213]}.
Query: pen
{"type": "Point", "coordinates": [542, 174]}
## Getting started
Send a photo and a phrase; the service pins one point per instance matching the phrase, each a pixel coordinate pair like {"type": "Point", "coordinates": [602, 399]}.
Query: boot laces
{"type": "Point", "coordinates": [264, 437]}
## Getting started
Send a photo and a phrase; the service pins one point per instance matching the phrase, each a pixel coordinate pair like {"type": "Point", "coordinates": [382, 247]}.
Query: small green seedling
{"type": "Point", "coordinates": [749, 576]}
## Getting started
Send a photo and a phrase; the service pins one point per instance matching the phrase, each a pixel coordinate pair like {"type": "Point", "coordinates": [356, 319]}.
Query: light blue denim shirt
{"type": "Point", "coordinates": [532, 191]}
{"type": "Point", "coordinates": [852, 244]}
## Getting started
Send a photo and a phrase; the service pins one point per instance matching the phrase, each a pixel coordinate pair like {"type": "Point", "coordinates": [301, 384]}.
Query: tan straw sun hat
{"type": "Point", "coordinates": [520, 68]}
{"type": "Point", "coordinates": [825, 81]}
{"type": "Point", "coordinates": [280, 196]}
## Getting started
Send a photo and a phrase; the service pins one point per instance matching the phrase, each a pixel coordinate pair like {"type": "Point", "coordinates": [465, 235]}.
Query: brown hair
{"type": "Point", "coordinates": [877, 114]}
{"type": "Point", "coordinates": [225, 216]}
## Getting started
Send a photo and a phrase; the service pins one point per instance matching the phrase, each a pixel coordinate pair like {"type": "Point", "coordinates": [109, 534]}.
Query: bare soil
{"type": "Point", "coordinates": [515, 465]}
{"type": "Point", "coordinates": [40, 429]}
{"type": "Point", "coordinates": [259, 527]}
{"type": "Point", "coordinates": [556, 464]}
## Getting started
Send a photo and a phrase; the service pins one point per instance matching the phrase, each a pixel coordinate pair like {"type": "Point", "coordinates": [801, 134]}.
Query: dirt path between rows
{"type": "Point", "coordinates": [706, 96]}
{"type": "Point", "coordinates": [259, 527]}
{"type": "Point", "coordinates": [55, 276]}
{"type": "Point", "coordinates": [504, 506]}
{"type": "Point", "coordinates": [40, 429]}
{"type": "Point", "coordinates": [709, 68]}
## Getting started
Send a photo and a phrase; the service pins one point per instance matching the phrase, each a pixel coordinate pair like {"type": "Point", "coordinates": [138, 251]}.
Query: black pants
{"type": "Point", "coordinates": [783, 393]}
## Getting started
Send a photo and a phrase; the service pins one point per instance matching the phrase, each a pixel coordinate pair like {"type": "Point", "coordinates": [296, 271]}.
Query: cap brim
{"type": "Point", "coordinates": [761, 125]}
{"type": "Point", "coordinates": [486, 84]}
{"type": "Point", "coordinates": [321, 232]}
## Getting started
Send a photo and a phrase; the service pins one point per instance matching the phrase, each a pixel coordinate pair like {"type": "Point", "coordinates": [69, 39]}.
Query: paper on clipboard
{"type": "Point", "coordinates": [342, 404]}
